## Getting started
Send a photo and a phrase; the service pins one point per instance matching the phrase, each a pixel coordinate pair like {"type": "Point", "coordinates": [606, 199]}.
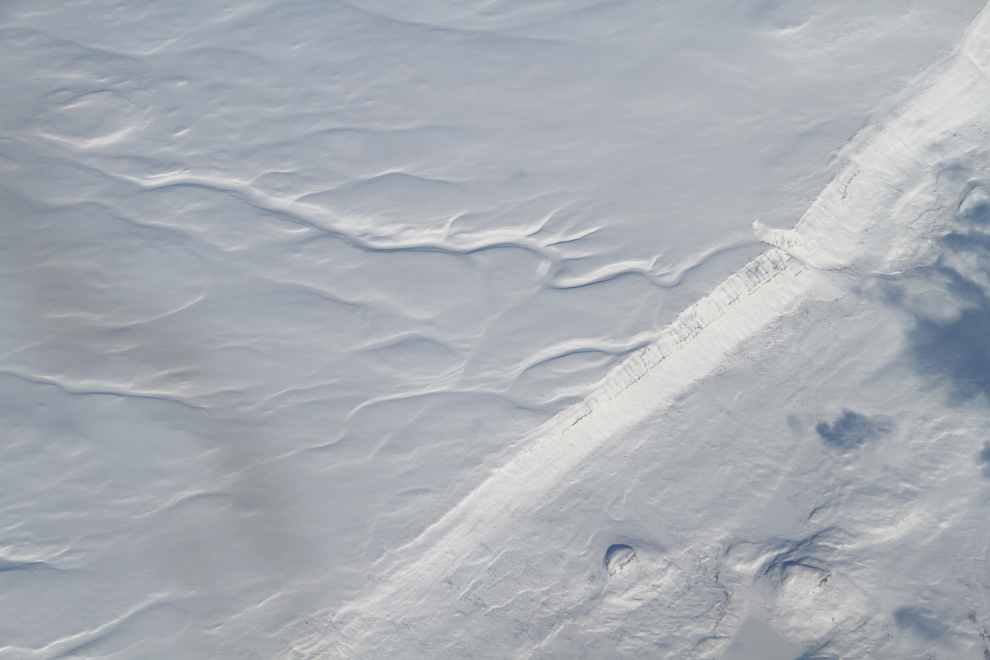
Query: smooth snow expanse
{"type": "Point", "coordinates": [441, 329]}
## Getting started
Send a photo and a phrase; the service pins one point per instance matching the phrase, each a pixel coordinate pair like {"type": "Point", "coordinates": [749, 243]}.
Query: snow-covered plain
{"type": "Point", "coordinates": [441, 329]}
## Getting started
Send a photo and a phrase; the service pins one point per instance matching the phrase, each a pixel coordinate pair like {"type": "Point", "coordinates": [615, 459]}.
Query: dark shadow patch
{"type": "Point", "coordinates": [803, 558]}
{"type": "Point", "coordinates": [618, 557]}
{"type": "Point", "coordinates": [957, 352]}
{"type": "Point", "coordinates": [852, 429]}
{"type": "Point", "coordinates": [958, 349]}
{"type": "Point", "coordinates": [919, 622]}
{"type": "Point", "coordinates": [974, 209]}
{"type": "Point", "coordinates": [820, 653]}
{"type": "Point", "coordinates": [983, 458]}
{"type": "Point", "coordinates": [954, 349]}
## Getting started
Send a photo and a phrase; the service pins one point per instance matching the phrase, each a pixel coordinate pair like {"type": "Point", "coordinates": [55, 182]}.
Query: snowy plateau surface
{"type": "Point", "coordinates": [495, 329]}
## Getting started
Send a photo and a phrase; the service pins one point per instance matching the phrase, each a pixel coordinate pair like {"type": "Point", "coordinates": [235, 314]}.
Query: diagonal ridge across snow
{"type": "Point", "coordinates": [690, 348]}
{"type": "Point", "coordinates": [871, 217]}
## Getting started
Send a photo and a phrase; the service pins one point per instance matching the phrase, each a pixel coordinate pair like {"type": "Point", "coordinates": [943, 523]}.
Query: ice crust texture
{"type": "Point", "coordinates": [439, 329]}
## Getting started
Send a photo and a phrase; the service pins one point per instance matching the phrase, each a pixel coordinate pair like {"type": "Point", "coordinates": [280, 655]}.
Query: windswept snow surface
{"type": "Point", "coordinates": [439, 329]}
{"type": "Point", "coordinates": [878, 216]}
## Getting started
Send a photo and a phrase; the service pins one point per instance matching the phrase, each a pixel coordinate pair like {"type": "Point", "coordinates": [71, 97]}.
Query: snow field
{"type": "Point", "coordinates": [876, 216]}
{"type": "Point", "coordinates": [288, 285]}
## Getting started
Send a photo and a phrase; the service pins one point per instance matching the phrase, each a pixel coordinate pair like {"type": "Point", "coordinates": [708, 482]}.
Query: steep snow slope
{"type": "Point", "coordinates": [287, 283]}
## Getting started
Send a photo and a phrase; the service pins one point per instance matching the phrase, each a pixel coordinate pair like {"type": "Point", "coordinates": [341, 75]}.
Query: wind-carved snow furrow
{"type": "Point", "coordinates": [100, 389]}
{"type": "Point", "coordinates": [66, 646]}
{"type": "Point", "coordinates": [668, 278]}
{"type": "Point", "coordinates": [870, 217]}
{"type": "Point", "coordinates": [350, 229]}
